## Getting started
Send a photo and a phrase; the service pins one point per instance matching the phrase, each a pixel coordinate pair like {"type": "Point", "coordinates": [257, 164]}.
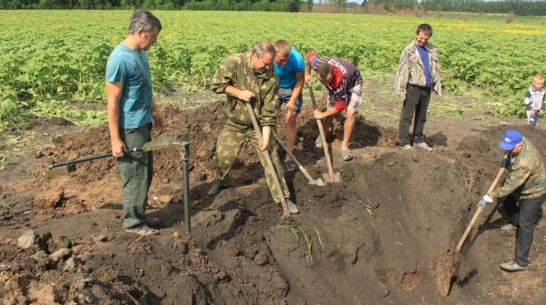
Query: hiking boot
{"type": "Point", "coordinates": [508, 227]}
{"type": "Point", "coordinates": [422, 146]}
{"type": "Point", "coordinates": [406, 147]}
{"type": "Point", "coordinates": [513, 266]}
{"type": "Point", "coordinates": [215, 189]}
{"type": "Point", "coordinates": [292, 208]}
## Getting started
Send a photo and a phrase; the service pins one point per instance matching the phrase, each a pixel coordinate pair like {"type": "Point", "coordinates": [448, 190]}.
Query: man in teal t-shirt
{"type": "Point", "coordinates": [290, 68]}
{"type": "Point", "coordinates": [131, 68]}
{"type": "Point", "coordinates": [131, 113]}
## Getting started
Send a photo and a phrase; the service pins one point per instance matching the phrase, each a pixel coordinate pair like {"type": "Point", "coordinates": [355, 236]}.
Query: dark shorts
{"type": "Point", "coordinates": [284, 97]}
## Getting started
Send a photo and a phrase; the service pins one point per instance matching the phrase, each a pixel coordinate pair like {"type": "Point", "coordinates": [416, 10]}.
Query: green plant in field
{"type": "Point", "coordinates": [369, 209]}
{"type": "Point", "coordinates": [449, 109]}
{"type": "Point", "coordinates": [319, 238]}
{"type": "Point", "coordinates": [3, 162]}
{"type": "Point", "coordinates": [59, 57]}
{"type": "Point", "coordinates": [508, 106]}
{"type": "Point", "coordinates": [309, 245]}
{"type": "Point", "coordinates": [307, 239]}
{"type": "Point", "coordinates": [295, 232]}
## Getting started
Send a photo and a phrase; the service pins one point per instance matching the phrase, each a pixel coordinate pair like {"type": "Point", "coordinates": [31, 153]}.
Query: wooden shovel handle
{"type": "Point", "coordinates": [268, 160]}
{"type": "Point", "coordinates": [478, 211]}
{"type": "Point", "coordinates": [322, 135]}
{"type": "Point", "coordinates": [302, 169]}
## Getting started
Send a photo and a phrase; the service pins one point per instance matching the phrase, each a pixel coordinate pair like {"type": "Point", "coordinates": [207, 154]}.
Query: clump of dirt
{"type": "Point", "coordinates": [384, 235]}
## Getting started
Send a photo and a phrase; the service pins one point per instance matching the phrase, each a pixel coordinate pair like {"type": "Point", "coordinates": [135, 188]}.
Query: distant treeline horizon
{"type": "Point", "coordinates": [516, 7]}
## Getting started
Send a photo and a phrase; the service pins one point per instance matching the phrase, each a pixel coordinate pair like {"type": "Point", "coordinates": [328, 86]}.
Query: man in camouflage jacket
{"type": "Point", "coordinates": [248, 78]}
{"type": "Point", "coordinates": [415, 79]}
{"type": "Point", "coordinates": [526, 183]}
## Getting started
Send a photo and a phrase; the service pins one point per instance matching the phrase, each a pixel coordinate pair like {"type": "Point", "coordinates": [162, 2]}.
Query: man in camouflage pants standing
{"type": "Point", "coordinates": [415, 79]}
{"type": "Point", "coordinates": [526, 184]}
{"type": "Point", "coordinates": [248, 78]}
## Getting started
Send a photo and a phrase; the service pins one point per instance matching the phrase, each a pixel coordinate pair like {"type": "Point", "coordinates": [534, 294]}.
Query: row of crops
{"type": "Point", "coordinates": [52, 58]}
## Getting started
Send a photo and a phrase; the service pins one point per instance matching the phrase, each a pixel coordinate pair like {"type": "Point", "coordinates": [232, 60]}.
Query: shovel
{"type": "Point", "coordinates": [479, 210]}
{"type": "Point", "coordinates": [303, 170]}
{"type": "Point", "coordinates": [286, 212]}
{"type": "Point", "coordinates": [66, 167]}
{"type": "Point", "coordinates": [331, 176]}
{"type": "Point", "coordinates": [449, 265]}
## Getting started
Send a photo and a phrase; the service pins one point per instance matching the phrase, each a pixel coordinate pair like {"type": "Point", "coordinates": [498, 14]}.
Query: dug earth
{"type": "Point", "coordinates": [384, 235]}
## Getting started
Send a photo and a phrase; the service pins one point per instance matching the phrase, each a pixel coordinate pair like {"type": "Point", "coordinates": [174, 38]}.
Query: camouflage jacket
{"type": "Point", "coordinates": [412, 71]}
{"type": "Point", "coordinates": [237, 72]}
{"type": "Point", "coordinates": [527, 171]}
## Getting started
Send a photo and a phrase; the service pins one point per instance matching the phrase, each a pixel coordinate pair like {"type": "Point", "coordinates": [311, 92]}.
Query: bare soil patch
{"type": "Point", "coordinates": [385, 235]}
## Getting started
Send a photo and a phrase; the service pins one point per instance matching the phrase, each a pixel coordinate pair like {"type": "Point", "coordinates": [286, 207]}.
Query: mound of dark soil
{"type": "Point", "coordinates": [385, 235]}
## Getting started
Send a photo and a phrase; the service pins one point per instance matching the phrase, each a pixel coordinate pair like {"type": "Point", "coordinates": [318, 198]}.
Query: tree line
{"type": "Point", "coordinates": [225, 5]}
{"type": "Point", "coordinates": [517, 7]}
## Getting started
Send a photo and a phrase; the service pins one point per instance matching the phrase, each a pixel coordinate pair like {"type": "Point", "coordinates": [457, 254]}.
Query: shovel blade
{"type": "Point", "coordinates": [318, 182]}
{"type": "Point", "coordinates": [162, 142]}
{"type": "Point", "coordinates": [59, 171]}
{"type": "Point", "coordinates": [335, 177]}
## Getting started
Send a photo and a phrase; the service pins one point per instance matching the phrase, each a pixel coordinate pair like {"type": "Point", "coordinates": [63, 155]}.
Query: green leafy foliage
{"type": "Point", "coordinates": [52, 59]}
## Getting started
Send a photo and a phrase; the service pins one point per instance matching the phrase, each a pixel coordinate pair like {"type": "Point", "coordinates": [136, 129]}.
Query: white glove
{"type": "Point", "coordinates": [485, 201]}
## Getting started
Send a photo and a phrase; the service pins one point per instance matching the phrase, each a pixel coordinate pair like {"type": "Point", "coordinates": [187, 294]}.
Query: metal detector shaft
{"type": "Point", "coordinates": [186, 181]}
{"type": "Point", "coordinates": [89, 158]}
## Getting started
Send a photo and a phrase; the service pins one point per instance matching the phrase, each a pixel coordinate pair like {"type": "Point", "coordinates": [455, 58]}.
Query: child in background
{"type": "Point", "coordinates": [534, 100]}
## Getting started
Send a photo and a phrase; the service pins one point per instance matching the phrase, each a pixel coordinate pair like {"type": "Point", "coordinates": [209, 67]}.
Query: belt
{"type": "Point", "coordinates": [420, 87]}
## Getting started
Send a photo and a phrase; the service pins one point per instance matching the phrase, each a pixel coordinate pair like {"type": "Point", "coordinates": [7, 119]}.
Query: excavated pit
{"type": "Point", "coordinates": [384, 235]}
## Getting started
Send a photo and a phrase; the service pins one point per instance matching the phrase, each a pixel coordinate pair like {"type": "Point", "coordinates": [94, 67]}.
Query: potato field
{"type": "Point", "coordinates": [51, 59]}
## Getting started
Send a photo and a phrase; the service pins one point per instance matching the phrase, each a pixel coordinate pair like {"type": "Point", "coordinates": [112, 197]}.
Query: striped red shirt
{"type": "Point", "coordinates": [345, 77]}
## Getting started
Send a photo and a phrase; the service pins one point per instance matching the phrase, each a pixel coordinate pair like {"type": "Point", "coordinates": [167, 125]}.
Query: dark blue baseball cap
{"type": "Point", "coordinates": [510, 139]}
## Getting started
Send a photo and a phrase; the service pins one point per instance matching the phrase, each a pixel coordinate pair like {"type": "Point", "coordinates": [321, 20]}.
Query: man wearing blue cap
{"type": "Point", "coordinates": [526, 184]}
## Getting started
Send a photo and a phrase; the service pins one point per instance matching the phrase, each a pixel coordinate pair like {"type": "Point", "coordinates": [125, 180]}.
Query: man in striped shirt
{"type": "Point", "coordinates": [344, 83]}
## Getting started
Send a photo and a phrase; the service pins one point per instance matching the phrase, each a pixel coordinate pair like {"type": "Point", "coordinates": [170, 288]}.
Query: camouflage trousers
{"type": "Point", "coordinates": [228, 146]}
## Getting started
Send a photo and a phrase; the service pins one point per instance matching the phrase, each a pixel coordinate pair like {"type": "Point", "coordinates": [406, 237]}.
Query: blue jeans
{"type": "Point", "coordinates": [532, 119]}
{"type": "Point", "coordinates": [284, 97]}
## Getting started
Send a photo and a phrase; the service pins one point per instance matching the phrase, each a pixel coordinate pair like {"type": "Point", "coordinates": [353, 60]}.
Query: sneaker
{"type": "Point", "coordinates": [513, 266]}
{"type": "Point", "coordinates": [406, 147]}
{"type": "Point", "coordinates": [318, 142]}
{"type": "Point", "coordinates": [508, 227]}
{"type": "Point", "coordinates": [215, 189]}
{"type": "Point", "coordinates": [292, 208]}
{"type": "Point", "coordinates": [142, 230]}
{"type": "Point", "coordinates": [290, 166]}
{"type": "Point", "coordinates": [422, 146]}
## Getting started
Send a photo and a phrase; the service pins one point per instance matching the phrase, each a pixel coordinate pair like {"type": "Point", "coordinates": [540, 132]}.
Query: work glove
{"type": "Point", "coordinates": [485, 201]}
